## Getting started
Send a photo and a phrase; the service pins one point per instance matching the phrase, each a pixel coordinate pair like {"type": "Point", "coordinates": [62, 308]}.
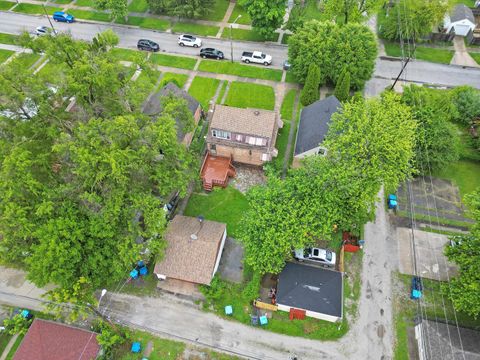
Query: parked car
{"type": "Point", "coordinates": [324, 257]}
{"type": "Point", "coordinates": [211, 53]}
{"type": "Point", "coordinates": [43, 30]}
{"type": "Point", "coordinates": [63, 17]}
{"type": "Point", "coordinates": [148, 45]}
{"type": "Point", "coordinates": [189, 40]}
{"type": "Point", "coordinates": [256, 57]}
{"type": "Point", "coordinates": [286, 65]}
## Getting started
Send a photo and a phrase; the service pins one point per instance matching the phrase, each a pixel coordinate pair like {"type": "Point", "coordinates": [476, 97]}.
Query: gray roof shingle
{"type": "Point", "coordinates": [462, 12]}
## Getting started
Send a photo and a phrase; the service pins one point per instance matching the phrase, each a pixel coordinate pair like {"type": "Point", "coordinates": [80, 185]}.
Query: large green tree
{"type": "Point", "coordinates": [345, 11]}
{"type": "Point", "coordinates": [182, 8]}
{"type": "Point", "coordinates": [118, 8]}
{"type": "Point", "coordinates": [467, 104]}
{"type": "Point", "coordinates": [311, 92]}
{"type": "Point", "coordinates": [333, 48]}
{"type": "Point", "coordinates": [267, 15]}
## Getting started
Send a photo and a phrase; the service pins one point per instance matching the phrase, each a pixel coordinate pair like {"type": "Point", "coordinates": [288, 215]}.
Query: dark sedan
{"type": "Point", "coordinates": [148, 45]}
{"type": "Point", "coordinates": [211, 53]}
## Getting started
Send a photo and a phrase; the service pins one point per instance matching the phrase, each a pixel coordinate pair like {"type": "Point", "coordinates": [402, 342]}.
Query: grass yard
{"type": "Point", "coordinates": [464, 173]}
{"type": "Point", "coordinates": [88, 3]}
{"type": "Point", "coordinates": [196, 29]}
{"type": "Point", "coordinates": [203, 89]}
{"type": "Point", "coordinates": [222, 92]}
{"type": "Point", "coordinates": [180, 62]}
{"type": "Point", "coordinates": [27, 60]}
{"type": "Point", "coordinates": [90, 15]}
{"type": "Point", "coordinates": [469, 3]}
{"type": "Point", "coordinates": [51, 72]}
{"type": "Point", "coordinates": [61, 1]}
{"type": "Point", "coordinates": [144, 22]}
{"type": "Point", "coordinates": [281, 146]}
{"type": "Point", "coordinates": [138, 6]}
{"type": "Point", "coordinates": [475, 56]}
{"type": "Point", "coordinates": [225, 205]}
{"type": "Point", "coordinates": [128, 54]}
{"type": "Point", "coordinates": [246, 95]}
{"type": "Point", "coordinates": [35, 9]}
{"type": "Point", "coordinates": [238, 10]}
{"type": "Point", "coordinates": [290, 78]}
{"type": "Point", "coordinates": [288, 104]}
{"type": "Point", "coordinates": [440, 56]}
{"type": "Point", "coordinates": [285, 38]}
{"type": "Point", "coordinates": [218, 11]}
{"type": "Point", "coordinates": [246, 35]}
{"type": "Point", "coordinates": [248, 71]}
{"type": "Point", "coordinates": [5, 54]}
{"type": "Point", "coordinates": [6, 5]}
{"type": "Point", "coordinates": [4, 339]}
{"type": "Point", "coordinates": [14, 348]}
{"type": "Point", "coordinates": [179, 79]}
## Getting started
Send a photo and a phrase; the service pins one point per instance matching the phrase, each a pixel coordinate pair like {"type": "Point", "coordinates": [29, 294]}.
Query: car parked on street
{"type": "Point", "coordinates": [189, 40]}
{"type": "Point", "coordinates": [256, 57]}
{"type": "Point", "coordinates": [43, 30]}
{"type": "Point", "coordinates": [212, 53]}
{"type": "Point", "coordinates": [147, 45]}
{"type": "Point", "coordinates": [63, 17]}
{"type": "Point", "coordinates": [323, 257]}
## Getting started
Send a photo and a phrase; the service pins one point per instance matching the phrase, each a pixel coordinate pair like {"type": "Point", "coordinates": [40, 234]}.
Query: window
{"type": "Point", "coordinates": [251, 140]}
{"type": "Point", "coordinates": [239, 138]}
{"type": "Point", "coordinates": [322, 151]}
{"type": "Point", "coordinates": [221, 134]}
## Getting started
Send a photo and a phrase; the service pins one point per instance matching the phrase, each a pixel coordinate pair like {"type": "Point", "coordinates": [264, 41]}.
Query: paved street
{"type": "Point", "coordinates": [417, 71]}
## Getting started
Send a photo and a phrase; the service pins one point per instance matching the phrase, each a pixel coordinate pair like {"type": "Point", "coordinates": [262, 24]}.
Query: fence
{"type": "Point", "coordinates": [473, 38]}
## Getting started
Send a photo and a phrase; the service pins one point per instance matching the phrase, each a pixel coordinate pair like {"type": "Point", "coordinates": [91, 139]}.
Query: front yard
{"type": "Point", "coordinates": [435, 55]}
{"type": "Point", "coordinates": [247, 95]}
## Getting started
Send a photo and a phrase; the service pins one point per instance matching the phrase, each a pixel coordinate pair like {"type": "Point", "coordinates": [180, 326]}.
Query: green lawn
{"type": "Point", "coordinates": [181, 62]}
{"type": "Point", "coordinates": [248, 71]}
{"type": "Point", "coordinates": [88, 3]}
{"type": "Point", "coordinates": [288, 104]}
{"type": "Point", "coordinates": [163, 349]}
{"type": "Point", "coordinates": [238, 10]}
{"type": "Point", "coordinates": [5, 54]}
{"type": "Point", "coordinates": [128, 54]}
{"type": "Point", "coordinates": [469, 3]}
{"type": "Point", "coordinates": [197, 29]}
{"type": "Point", "coordinates": [465, 174]}
{"type": "Point", "coordinates": [246, 95]}
{"type": "Point", "coordinates": [475, 56]}
{"type": "Point", "coordinates": [440, 56]}
{"type": "Point", "coordinates": [247, 35]}
{"type": "Point", "coordinates": [203, 89]}
{"type": "Point", "coordinates": [222, 92]}
{"type": "Point", "coordinates": [179, 79]}
{"type": "Point", "coordinates": [285, 38]}
{"type": "Point", "coordinates": [61, 1]}
{"type": "Point", "coordinates": [138, 6]}
{"type": "Point", "coordinates": [35, 9]}
{"type": "Point", "coordinates": [144, 22]}
{"type": "Point", "coordinates": [90, 15]}
{"type": "Point", "coordinates": [27, 60]}
{"type": "Point", "coordinates": [290, 78]}
{"type": "Point", "coordinates": [4, 339]}
{"type": "Point", "coordinates": [218, 11]}
{"type": "Point", "coordinates": [225, 205]}
{"type": "Point", "coordinates": [281, 146]}
{"type": "Point", "coordinates": [5, 5]}
{"type": "Point", "coordinates": [14, 348]}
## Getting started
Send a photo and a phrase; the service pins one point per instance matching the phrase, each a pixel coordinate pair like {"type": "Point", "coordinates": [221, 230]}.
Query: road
{"type": "Point", "coordinates": [385, 70]}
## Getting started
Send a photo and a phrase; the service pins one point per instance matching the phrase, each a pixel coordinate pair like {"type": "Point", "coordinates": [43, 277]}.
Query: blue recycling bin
{"type": "Point", "coordinates": [263, 320]}
{"type": "Point", "coordinates": [228, 310]}
{"type": "Point", "coordinates": [134, 273]}
{"type": "Point", "coordinates": [143, 271]}
{"type": "Point", "coordinates": [136, 347]}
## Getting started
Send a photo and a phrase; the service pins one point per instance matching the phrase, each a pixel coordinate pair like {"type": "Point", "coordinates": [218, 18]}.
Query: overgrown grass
{"type": "Point", "coordinates": [222, 92]}
{"type": "Point", "coordinates": [218, 11]}
{"type": "Point", "coordinates": [286, 111]}
{"type": "Point", "coordinates": [90, 15]}
{"type": "Point", "coordinates": [246, 95]}
{"type": "Point", "coordinates": [224, 205]}
{"type": "Point", "coordinates": [5, 54]}
{"type": "Point", "coordinates": [88, 3]}
{"type": "Point", "coordinates": [128, 54]}
{"type": "Point", "coordinates": [248, 71]}
{"type": "Point", "coordinates": [247, 35]}
{"type": "Point", "coordinates": [14, 348]}
{"type": "Point", "coordinates": [138, 6]}
{"type": "Point", "coordinates": [4, 339]}
{"type": "Point", "coordinates": [197, 29]}
{"type": "Point", "coordinates": [6, 5]}
{"type": "Point", "coordinates": [281, 146]}
{"type": "Point", "coordinates": [179, 79]}
{"type": "Point", "coordinates": [239, 10]}
{"type": "Point", "coordinates": [475, 56]}
{"type": "Point", "coordinates": [440, 56]}
{"type": "Point", "coordinates": [145, 22]}
{"type": "Point", "coordinates": [442, 221]}
{"type": "Point", "coordinates": [180, 62]}
{"type": "Point", "coordinates": [297, 122]}
{"type": "Point", "coordinates": [290, 78]}
{"type": "Point", "coordinates": [62, 1]}
{"type": "Point", "coordinates": [465, 174]}
{"type": "Point", "coordinates": [285, 38]}
{"type": "Point", "coordinates": [203, 89]}
{"type": "Point", "coordinates": [27, 60]}
{"type": "Point", "coordinates": [35, 9]}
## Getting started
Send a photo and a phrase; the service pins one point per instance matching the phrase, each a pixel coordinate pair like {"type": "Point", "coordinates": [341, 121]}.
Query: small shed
{"type": "Point", "coordinates": [461, 20]}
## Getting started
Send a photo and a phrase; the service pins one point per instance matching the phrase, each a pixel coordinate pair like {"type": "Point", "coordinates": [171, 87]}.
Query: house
{"type": "Point", "coordinates": [317, 292]}
{"type": "Point", "coordinates": [437, 340]}
{"type": "Point", "coordinates": [246, 136]}
{"type": "Point", "coordinates": [461, 20]}
{"type": "Point", "coordinates": [194, 249]}
{"type": "Point", "coordinates": [48, 340]}
{"type": "Point", "coordinates": [153, 107]}
{"type": "Point", "coordinates": [313, 127]}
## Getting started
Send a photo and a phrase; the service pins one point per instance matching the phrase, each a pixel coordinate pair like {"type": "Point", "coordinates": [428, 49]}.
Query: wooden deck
{"type": "Point", "coordinates": [215, 171]}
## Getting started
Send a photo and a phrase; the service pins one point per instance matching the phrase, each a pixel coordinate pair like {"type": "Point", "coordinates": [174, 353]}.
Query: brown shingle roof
{"type": "Point", "coordinates": [48, 340]}
{"type": "Point", "coordinates": [187, 259]}
{"type": "Point", "coordinates": [244, 121]}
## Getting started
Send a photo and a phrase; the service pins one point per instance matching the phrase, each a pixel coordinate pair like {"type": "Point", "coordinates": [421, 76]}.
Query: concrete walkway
{"type": "Point", "coordinates": [9, 347]}
{"type": "Point", "coordinates": [462, 57]}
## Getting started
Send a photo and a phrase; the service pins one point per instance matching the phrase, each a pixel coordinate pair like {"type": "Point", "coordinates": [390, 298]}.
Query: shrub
{"type": "Point", "coordinates": [310, 92]}
{"type": "Point", "coordinates": [342, 88]}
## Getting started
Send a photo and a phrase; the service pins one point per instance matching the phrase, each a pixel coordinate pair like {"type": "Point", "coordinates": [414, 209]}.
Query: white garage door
{"type": "Point", "coordinates": [462, 30]}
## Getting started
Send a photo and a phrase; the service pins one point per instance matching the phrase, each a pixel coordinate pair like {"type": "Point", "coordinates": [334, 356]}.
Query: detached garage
{"type": "Point", "coordinates": [316, 292]}
{"type": "Point", "coordinates": [461, 20]}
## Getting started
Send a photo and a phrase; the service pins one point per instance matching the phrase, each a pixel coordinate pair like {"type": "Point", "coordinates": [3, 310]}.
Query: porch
{"type": "Point", "coordinates": [216, 170]}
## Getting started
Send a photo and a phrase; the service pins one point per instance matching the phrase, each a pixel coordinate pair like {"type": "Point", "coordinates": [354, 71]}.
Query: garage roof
{"type": "Point", "coordinates": [462, 12]}
{"type": "Point", "coordinates": [311, 288]}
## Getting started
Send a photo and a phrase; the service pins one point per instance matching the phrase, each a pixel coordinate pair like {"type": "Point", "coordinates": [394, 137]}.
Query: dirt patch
{"type": "Point", "coordinates": [248, 176]}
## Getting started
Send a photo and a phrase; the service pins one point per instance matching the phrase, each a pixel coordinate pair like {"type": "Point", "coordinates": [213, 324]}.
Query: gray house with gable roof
{"type": "Point", "coordinates": [461, 20]}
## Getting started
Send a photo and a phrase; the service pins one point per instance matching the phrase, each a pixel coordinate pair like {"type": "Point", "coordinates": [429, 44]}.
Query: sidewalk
{"type": "Point", "coordinates": [462, 57]}
{"type": "Point", "coordinates": [9, 347]}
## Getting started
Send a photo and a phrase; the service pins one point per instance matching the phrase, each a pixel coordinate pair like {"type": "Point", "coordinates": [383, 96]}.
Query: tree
{"type": "Point", "coordinates": [310, 92]}
{"type": "Point", "coordinates": [411, 19]}
{"type": "Point", "coordinates": [333, 48]}
{"type": "Point", "coordinates": [267, 15]}
{"type": "Point", "coordinates": [464, 290]}
{"type": "Point", "coordinates": [181, 8]}
{"type": "Point", "coordinates": [17, 325]}
{"type": "Point", "coordinates": [296, 19]}
{"type": "Point", "coordinates": [467, 104]}
{"type": "Point", "coordinates": [118, 8]}
{"type": "Point", "coordinates": [336, 191]}
{"type": "Point", "coordinates": [345, 11]}
{"type": "Point", "coordinates": [342, 88]}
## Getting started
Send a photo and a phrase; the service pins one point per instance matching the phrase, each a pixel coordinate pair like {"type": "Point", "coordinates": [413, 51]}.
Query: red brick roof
{"type": "Point", "coordinates": [48, 340]}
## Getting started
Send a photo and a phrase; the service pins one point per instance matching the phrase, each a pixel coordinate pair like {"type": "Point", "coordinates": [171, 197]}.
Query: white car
{"type": "Point", "coordinates": [43, 30]}
{"type": "Point", "coordinates": [189, 40]}
{"type": "Point", "coordinates": [256, 57]}
{"type": "Point", "coordinates": [320, 256]}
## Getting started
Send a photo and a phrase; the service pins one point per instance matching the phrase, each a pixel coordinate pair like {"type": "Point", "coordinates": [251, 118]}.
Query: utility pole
{"type": "Point", "coordinates": [400, 74]}
{"type": "Point", "coordinates": [231, 41]}
{"type": "Point", "coordinates": [50, 21]}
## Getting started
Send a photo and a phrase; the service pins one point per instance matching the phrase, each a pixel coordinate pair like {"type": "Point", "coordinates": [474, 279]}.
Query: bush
{"type": "Point", "coordinates": [17, 325]}
{"type": "Point", "coordinates": [342, 88]}
{"type": "Point", "coordinates": [252, 289]}
{"type": "Point", "coordinates": [310, 92]}
{"type": "Point", "coordinates": [467, 104]}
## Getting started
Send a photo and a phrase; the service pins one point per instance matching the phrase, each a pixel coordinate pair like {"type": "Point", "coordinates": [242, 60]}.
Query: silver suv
{"type": "Point", "coordinates": [324, 257]}
{"type": "Point", "coordinates": [189, 40]}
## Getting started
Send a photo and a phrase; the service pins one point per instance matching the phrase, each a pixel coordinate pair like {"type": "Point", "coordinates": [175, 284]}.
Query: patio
{"type": "Point", "coordinates": [215, 171]}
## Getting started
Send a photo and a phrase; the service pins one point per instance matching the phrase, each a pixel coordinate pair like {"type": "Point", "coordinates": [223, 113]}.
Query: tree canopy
{"type": "Point", "coordinates": [345, 11]}
{"type": "Point", "coordinates": [182, 8]}
{"type": "Point", "coordinates": [267, 15]}
{"type": "Point", "coordinates": [333, 48]}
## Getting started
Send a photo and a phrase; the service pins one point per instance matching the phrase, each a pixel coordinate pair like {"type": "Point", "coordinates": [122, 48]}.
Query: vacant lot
{"type": "Point", "coordinates": [246, 95]}
{"type": "Point", "coordinates": [181, 62]}
{"type": "Point", "coordinates": [203, 89]}
{"type": "Point", "coordinates": [249, 71]}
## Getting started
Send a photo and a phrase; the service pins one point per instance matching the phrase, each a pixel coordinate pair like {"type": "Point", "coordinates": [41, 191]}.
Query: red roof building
{"type": "Point", "coordinates": [48, 340]}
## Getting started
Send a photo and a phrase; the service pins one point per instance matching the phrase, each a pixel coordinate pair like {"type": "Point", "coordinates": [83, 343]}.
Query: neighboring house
{"type": "Point", "coordinates": [313, 127]}
{"type": "Point", "coordinates": [437, 340]}
{"type": "Point", "coordinates": [316, 291]}
{"type": "Point", "coordinates": [246, 136]}
{"type": "Point", "coordinates": [194, 249]}
{"type": "Point", "coordinates": [48, 340]}
{"type": "Point", "coordinates": [153, 107]}
{"type": "Point", "coordinates": [461, 20]}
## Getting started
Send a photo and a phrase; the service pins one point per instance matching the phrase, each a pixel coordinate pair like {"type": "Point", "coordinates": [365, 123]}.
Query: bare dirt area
{"type": "Point", "coordinates": [248, 176]}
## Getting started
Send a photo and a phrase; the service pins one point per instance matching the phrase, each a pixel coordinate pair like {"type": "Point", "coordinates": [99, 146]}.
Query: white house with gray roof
{"type": "Point", "coordinates": [461, 20]}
